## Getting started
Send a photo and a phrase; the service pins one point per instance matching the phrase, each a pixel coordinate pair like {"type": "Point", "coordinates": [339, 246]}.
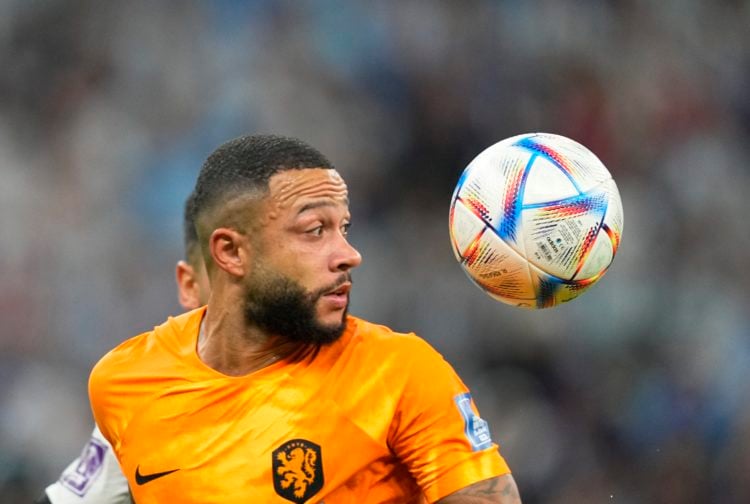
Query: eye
{"type": "Point", "coordinates": [345, 228]}
{"type": "Point", "coordinates": [316, 231]}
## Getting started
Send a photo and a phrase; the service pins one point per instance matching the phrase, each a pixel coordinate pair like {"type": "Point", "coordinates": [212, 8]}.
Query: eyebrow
{"type": "Point", "coordinates": [318, 204]}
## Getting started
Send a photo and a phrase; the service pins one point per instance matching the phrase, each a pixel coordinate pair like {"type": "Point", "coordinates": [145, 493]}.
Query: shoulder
{"type": "Point", "coordinates": [112, 379]}
{"type": "Point", "coordinates": [139, 368]}
{"type": "Point", "coordinates": [404, 360]}
{"type": "Point", "coordinates": [127, 358]}
{"type": "Point", "coordinates": [142, 353]}
{"type": "Point", "coordinates": [381, 339]}
{"type": "Point", "coordinates": [113, 366]}
{"type": "Point", "coordinates": [128, 350]}
{"type": "Point", "coordinates": [404, 353]}
{"type": "Point", "coordinates": [129, 370]}
{"type": "Point", "coordinates": [379, 334]}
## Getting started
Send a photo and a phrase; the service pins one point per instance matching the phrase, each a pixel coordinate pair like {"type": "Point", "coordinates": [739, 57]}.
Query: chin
{"type": "Point", "coordinates": [332, 320]}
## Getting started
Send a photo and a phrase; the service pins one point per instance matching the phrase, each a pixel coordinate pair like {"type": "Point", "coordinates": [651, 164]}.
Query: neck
{"type": "Point", "coordinates": [228, 345]}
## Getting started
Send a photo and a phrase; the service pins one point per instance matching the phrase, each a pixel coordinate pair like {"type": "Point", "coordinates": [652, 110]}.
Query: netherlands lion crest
{"type": "Point", "coordinates": [297, 470]}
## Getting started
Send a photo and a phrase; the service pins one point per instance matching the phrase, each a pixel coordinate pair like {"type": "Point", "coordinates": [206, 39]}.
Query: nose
{"type": "Point", "coordinates": [346, 256]}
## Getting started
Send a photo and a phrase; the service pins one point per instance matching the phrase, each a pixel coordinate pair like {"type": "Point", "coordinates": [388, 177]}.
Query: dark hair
{"type": "Point", "coordinates": [246, 164]}
{"type": "Point", "coordinates": [189, 234]}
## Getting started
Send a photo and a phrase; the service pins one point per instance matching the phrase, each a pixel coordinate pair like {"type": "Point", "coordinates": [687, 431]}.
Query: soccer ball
{"type": "Point", "coordinates": [535, 220]}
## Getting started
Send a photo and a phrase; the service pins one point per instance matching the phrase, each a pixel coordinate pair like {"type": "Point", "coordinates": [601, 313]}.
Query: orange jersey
{"type": "Point", "coordinates": [377, 416]}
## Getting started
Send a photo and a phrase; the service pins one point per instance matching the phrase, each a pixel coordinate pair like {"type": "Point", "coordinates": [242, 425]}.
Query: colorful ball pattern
{"type": "Point", "coordinates": [535, 220]}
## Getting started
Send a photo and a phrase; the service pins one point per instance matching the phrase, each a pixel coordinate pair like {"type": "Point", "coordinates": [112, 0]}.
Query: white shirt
{"type": "Point", "coordinates": [94, 477]}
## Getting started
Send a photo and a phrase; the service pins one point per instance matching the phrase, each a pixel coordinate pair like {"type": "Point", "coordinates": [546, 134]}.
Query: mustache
{"type": "Point", "coordinates": [341, 280]}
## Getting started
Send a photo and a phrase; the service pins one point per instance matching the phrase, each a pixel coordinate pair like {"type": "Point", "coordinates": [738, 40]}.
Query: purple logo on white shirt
{"type": "Point", "coordinates": [79, 477]}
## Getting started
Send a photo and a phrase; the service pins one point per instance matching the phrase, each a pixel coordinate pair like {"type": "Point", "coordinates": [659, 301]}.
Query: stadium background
{"type": "Point", "coordinates": [636, 392]}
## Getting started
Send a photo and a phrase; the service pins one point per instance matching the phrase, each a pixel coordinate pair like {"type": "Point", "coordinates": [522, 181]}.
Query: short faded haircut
{"type": "Point", "coordinates": [242, 166]}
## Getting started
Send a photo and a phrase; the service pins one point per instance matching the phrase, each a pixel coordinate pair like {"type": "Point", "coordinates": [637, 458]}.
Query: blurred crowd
{"type": "Point", "coordinates": [636, 392]}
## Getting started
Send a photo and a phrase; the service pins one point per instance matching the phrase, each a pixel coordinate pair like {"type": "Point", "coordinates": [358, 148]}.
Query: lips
{"type": "Point", "coordinates": [341, 290]}
{"type": "Point", "coordinates": [338, 296]}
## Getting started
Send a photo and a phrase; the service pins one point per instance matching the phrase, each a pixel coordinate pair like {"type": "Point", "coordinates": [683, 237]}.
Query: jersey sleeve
{"type": "Point", "coordinates": [107, 411]}
{"type": "Point", "coordinates": [94, 477]}
{"type": "Point", "coordinates": [437, 431]}
{"type": "Point", "coordinates": [112, 392]}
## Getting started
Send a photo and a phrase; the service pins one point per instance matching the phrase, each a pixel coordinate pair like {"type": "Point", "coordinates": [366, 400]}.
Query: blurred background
{"type": "Point", "coordinates": [634, 393]}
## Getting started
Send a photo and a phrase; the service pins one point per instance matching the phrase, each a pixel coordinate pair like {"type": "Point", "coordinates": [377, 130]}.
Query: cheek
{"type": "Point", "coordinates": [305, 273]}
{"type": "Point", "coordinates": [293, 263]}
{"type": "Point", "coordinates": [304, 262]}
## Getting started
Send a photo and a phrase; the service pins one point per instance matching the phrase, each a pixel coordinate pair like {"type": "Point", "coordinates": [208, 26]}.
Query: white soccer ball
{"type": "Point", "coordinates": [535, 220]}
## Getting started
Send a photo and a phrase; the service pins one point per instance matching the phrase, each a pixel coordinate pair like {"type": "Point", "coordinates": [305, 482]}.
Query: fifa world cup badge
{"type": "Point", "coordinates": [477, 430]}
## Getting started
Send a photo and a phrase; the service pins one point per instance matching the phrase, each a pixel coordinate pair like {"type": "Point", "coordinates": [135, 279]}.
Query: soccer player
{"type": "Point", "coordinates": [273, 392]}
{"type": "Point", "coordinates": [95, 476]}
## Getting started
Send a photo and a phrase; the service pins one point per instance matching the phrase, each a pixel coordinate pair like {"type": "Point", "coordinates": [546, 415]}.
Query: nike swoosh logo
{"type": "Point", "coordinates": [142, 479]}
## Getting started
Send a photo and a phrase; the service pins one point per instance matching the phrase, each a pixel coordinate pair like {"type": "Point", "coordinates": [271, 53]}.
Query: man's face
{"type": "Point", "coordinates": [299, 282]}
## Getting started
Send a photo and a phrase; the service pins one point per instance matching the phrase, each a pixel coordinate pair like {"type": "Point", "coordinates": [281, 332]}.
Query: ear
{"type": "Point", "coordinates": [187, 286]}
{"type": "Point", "coordinates": [228, 251]}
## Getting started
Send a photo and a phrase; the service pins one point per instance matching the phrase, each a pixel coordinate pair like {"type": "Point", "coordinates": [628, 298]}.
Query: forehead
{"type": "Point", "coordinates": [290, 188]}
